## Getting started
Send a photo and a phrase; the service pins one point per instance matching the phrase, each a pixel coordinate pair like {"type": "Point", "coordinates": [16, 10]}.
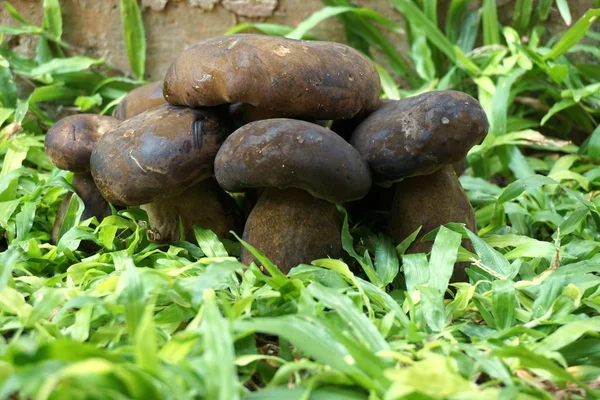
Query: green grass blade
{"type": "Point", "coordinates": [327, 12]}
{"type": "Point", "coordinates": [522, 15]}
{"type": "Point", "coordinates": [573, 35]}
{"type": "Point", "coordinates": [418, 18]}
{"type": "Point", "coordinates": [358, 321]}
{"type": "Point", "coordinates": [219, 353]}
{"type": "Point", "coordinates": [503, 304]}
{"type": "Point", "coordinates": [135, 37]}
{"type": "Point", "coordinates": [53, 18]}
{"type": "Point", "coordinates": [455, 19]}
{"type": "Point", "coordinates": [386, 259]}
{"type": "Point", "coordinates": [209, 243]}
{"type": "Point", "coordinates": [491, 26]}
{"type": "Point", "coordinates": [565, 12]}
{"type": "Point", "coordinates": [443, 258]}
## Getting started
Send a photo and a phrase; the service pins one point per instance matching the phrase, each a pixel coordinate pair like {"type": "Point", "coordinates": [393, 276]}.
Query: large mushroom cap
{"type": "Point", "coordinates": [139, 100]}
{"type": "Point", "coordinates": [69, 142]}
{"type": "Point", "coordinates": [421, 134]}
{"type": "Point", "coordinates": [301, 78]}
{"type": "Point", "coordinates": [285, 153]}
{"type": "Point", "coordinates": [157, 153]}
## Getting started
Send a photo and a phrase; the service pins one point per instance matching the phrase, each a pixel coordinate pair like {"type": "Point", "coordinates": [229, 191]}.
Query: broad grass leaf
{"type": "Point", "coordinates": [432, 308]}
{"type": "Point", "coordinates": [135, 36]}
{"type": "Point", "coordinates": [567, 334]}
{"type": "Point", "coordinates": [435, 376]}
{"type": "Point", "coordinates": [411, 12]}
{"type": "Point", "coordinates": [405, 244]}
{"type": "Point", "coordinates": [64, 65]}
{"type": "Point", "coordinates": [266, 28]}
{"type": "Point", "coordinates": [504, 303]}
{"type": "Point", "coordinates": [493, 262]}
{"type": "Point", "coordinates": [416, 271]}
{"type": "Point", "coordinates": [443, 258]}
{"type": "Point", "coordinates": [386, 259]}
{"type": "Point", "coordinates": [348, 246]}
{"type": "Point", "coordinates": [277, 277]}
{"type": "Point", "coordinates": [491, 25]}
{"type": "Point", "coordinates": [219, 353]}
{"type": "Point", "coordinates": [145, 341]}
{"type": "Point", "coordinates": [53, 18]}
{"type": "Point", "coordinates": [383, 299]}
{"type": "Point", "coordinates": [358, 322]}
{"type": "Point", "coordinates": [573, 35]}
{"type": "Point", "coordinates": [130, 290]}
{"type": "Point", "coordinates": [298, 393]}
{"type": "Point", "coordinates": [327, 12]}
{"type": "Point", "coordinates": [209, 243]}
{"type": "Point", "coordinates": [310, 337]}
{"type": "Point", "coordinates": [515, 189]}
{"type": "Point", "coordinates": [46, 301]}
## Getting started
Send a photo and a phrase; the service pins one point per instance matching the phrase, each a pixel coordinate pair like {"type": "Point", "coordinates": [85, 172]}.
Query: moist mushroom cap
{"type": "Point", "coordinates": [419, 135]}
{"type": "Point", "coordinates": [157, 154]}
{"type": "Point", "coordinates": [311, 79]}
{"type": "Point", "coordinates": [69, 142]}
{"type": "Point", "coordinates": [139, 100]}
{"type": "Point", "coordinates": [285, 153]}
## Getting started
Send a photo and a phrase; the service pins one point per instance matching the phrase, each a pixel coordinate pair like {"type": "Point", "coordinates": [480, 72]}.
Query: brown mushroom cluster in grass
{"type": "Point", "coordinates": [248, 114]}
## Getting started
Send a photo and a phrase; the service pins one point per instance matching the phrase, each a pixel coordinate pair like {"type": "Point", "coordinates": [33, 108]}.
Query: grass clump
{"type": "Point", "coordinates": [138, 320]}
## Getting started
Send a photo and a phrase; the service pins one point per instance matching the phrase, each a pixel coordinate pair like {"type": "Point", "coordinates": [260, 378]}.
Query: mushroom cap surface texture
{"type": "Point", "coordinates": [418, 135]}
{"type": "Point", "coordinates": [139, 100]}
{"type": "Point", "coordinates": [285, 153]}
{"type": "Point", "coordinates": [70, 141]}
{"type": "Point", "coordinates": [299, 78]}
{"type": "Point", "coordinates": [157, 154]}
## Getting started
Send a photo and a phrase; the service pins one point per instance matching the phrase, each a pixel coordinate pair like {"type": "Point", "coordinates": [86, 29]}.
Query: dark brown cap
{"type": "Point", "coordinates": [286, 153]}
{"type": "Point", "coordinates": [139, 100]}
{"type": "Point", "coordinates": [418, 135]}
{"type": "Point", "coordinates": [69, 142]}
{"type": "Point", "coordinates": [157, 153]}
{"type": "Point", "coordinates": [322, 80]}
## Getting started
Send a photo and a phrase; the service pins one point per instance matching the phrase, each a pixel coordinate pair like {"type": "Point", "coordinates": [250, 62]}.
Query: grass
{"type": "Point", "coordinates": [137, 320]}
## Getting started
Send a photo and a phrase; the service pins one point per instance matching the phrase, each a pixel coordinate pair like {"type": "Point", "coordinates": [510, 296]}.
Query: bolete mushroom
{"type": "Point", "coordinates": [274, 76]}
{"type": "Point", "coordinates": [68, 145]}
{"type": "Point", "coordinates": [412, 144]}
{"type": "Point", "coordinates": [139, 100]}
{"type": "Point", "coordinates": [304, 169]}
{"type": "Point", "coordinates": [162, 160]}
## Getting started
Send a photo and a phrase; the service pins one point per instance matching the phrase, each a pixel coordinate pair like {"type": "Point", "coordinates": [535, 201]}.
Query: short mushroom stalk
{"type": "Point", "coordinates": [69, 144]}
{"type": "Point", "coordinates": [305, 170]}
{"type": "Point", "coordinates": [162, 160]}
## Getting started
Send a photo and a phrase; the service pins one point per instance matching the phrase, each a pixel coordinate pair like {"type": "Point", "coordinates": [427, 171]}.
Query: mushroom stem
{"type": "Point", "coordinates": [95, 205]}
{"type": "Point", "coordinates": [431, 201]}
{"type": "Point", "coordinates": [204, 204]}
{"type": "Point", "coordinates": [291, 227]}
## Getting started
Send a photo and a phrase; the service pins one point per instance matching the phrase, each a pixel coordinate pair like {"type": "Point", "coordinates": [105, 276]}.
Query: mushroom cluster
{"type": "Point", "coordinates": [249, 114]}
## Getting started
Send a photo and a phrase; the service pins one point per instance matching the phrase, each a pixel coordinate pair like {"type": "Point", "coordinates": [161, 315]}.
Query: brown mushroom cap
{"type": "Point", "coordinates": [69, 142]}
{"type": "Point", "coordinates": [421, 134]}
{"type": "Point", "coordinates": [139, 100]}
{"type": "Point", "coordinates": [295, 77]}
{"type": "Point", "coordinates": [156, 154]}
{"type": "Point", "coordinates": [285, 153]}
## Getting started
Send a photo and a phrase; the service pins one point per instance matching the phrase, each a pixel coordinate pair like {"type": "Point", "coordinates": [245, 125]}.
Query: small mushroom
{"type": "Point", "coordinates": [274, 77]}
{"type": "Point", "coordinates": [139, 100]}
{"type": "Point", "coordinates": [304, 169]}
{"type": "Point", "coordinates": [412, 144]}
{"type": "Point", "coordinates": [162, 160]}
{"type": "Point", "coordinates": [68, 145]}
